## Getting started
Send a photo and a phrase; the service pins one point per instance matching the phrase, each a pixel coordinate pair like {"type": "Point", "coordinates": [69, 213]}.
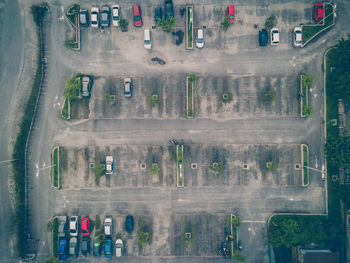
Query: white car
{"type": "Point", "coordinates": [95, 12]}
{"type": "Point", "coordinates": [275, 36]}
{"type": "Point", "coordinates": [200, 38]}
{"type": "Point", "coordinates": [297, 36]}
{"type": "Point", "coordinates": [109, 164]}
{"type": "Point", "coordinates": [115, 15]}
{"type": "Point", "coordinates": [147, 43]}
{"type": "Point", "coordinates": [127, 87]}
{"type": "Point", "coordinates": [73, 226]}
{"type": "Point", "coordinates": [108, 226]}
{"type": "Point", "coordinates": [118, 248]}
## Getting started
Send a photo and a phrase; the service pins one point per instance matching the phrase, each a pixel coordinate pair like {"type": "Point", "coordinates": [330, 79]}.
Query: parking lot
{"type": "Point", "coordinates": [238, 165]}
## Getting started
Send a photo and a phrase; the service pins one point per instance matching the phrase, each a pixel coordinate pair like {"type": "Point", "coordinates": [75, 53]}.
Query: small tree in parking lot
{"type": "Point", "coordinates": [143, 238]}
{"type": "Point", "coordinates": [267, 95]}
{"type": "Point", "coordinates": [270, 22]}
{"type": "Point", "coordinates": [124, 23]}
{"type": "Point", "coordinates": [166, 23]}
{"type": "Point", "coordinates": [226, 23]}
{"type": "Point", "coordinates": [72, 88]}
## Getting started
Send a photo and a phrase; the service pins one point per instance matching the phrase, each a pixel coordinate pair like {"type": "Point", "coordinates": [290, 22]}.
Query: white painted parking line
{"type": "Point", "coordinates": [253, 221]}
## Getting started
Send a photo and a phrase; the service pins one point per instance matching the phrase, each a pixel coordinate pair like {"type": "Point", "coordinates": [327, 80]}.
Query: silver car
{"type": "Point", "coordinates": [108, 226]}
{"type": "Point", "coordinates": [127, 87]}
{"type": "Point", "coordinates": [297, 36]}
{"type": "Point", "coordinates": [62, 223]}
{"type": "Point", "coordinates": [86, 86]}
{"type": "Point", "coordinates": [73, 247]}
{"type": "Point", "coordinates": [115, 15]}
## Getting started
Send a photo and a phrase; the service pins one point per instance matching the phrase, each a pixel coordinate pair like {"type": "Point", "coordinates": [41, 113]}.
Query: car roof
{"type": "Point", "coordinates": [200, 33]}
{"type": "Point", "coordinates": [231, 8]}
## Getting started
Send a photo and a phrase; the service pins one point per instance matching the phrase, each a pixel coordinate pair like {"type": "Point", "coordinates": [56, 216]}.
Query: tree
{"type": "Point", "coordinates": [72, 89]}
{"type": "Point", "coordinates": [166, 23]}
{"type": "Point", "coordinates": [38, 13]}
{"type": "Point", "coordinates": [226, 23]}
{"type": "Point", "coordinates": [192, 77]}
{"type": "Point", "coordinates": [236, 221]}
{"type": "Point", "coordinates": [143, 238]}
{"type": "Point", "coordinates": [308, 80]}
{"type": "Point", "coordinates": [270, 22]}
{"type": "Point", "coordinates": [152, 100]}
{"type": "Point", "coordinates": [267, 95]}
{"type": "Point", "coordinates": [308, 110]}
{"type": "Point", "coordinates": [101, 239]}
{"type": "Point", "coordinates": [338, 150]}
{"type": "Point", "coordinates": [124, 23]}
{"type": "Point", "coordinates": [98, 169]}
{"type": "Point", "coordinates": [154, 170]}
{"type": "Point", "coordinates": [51, 260]}
{"type": "Point", "coordinates": [286, 233]}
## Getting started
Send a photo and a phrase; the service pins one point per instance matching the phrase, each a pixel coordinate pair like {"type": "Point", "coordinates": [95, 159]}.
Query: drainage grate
{"type": "Point", "coordinates": [245, 166]}
{"type": "Point", "coordinates": [143, 166]}
{"type": "Point", "coordinates": [91, 165]}
{"type": "Point", "coordinates": [297, 167]}
{"type": "Point", "coordinates": [194, 166]}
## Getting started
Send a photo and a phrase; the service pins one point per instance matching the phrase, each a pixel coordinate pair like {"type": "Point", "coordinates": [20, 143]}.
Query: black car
{"type": "Point", "coordinates": [84, 18]}
{"type": "Point", "coordinates": [158, 14]}
{"type": "Point", "coordinates": [85, 246]}
{"type": "Point", "coordinates": [96, 249]}
{"type": "Point", "coordinates": [263, 37]}
{"type": "Point", "coordinates": [169, 10]}
{"type": "Point", "coordinates": [105, 16]}
{"type": "Point", "coordinates": [129, 224]}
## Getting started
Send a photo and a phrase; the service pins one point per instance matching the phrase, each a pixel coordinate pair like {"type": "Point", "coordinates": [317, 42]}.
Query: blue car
{"type": "Point", "coordinates": [62, 249]}
{"type": "Point", "coordinates": [108, 248]}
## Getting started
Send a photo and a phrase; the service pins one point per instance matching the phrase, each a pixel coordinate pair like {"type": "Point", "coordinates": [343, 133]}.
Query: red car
{"type": "Point", "coordinates": [230, 12]}
{"type": "Point", "coordinates": [85, 227]}
{"type": "Point", "coordinates": [318, 12]}
{"type": "Point", "coordinates": [136, 10]}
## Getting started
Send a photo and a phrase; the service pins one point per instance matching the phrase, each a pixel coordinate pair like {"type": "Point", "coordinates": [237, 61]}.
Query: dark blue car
{"type": "Point", "coordinates": [108, 248]}
{"type": "Point", "coordinates": [169, 10]}
{"type": "Point", "coordinates": [62, 249]}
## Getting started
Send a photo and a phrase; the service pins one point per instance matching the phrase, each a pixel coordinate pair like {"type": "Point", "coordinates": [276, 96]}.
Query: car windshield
{"type": "Point", "coordinates": [104, 16]}
{"type": "Point", "coordinates": [232, 16]}
{"type": "Point", "coordinates": [200, 40]}
{"type": "Point", "coordinates": [137, 18]}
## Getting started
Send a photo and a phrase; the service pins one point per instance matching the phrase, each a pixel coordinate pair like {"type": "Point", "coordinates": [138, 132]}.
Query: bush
{"type": "Point", "coordinates": [229, 97]}
{"type": "Point", "coordinates": [152, 101]}
{"type": "Point", "coordinates": [270, 22]}
{"type": "Point", "coordinates": [98, 169]}
{"type": "Point", "coordinates": [72, 89]}
{"type": "Point", "coordinates": [166, 23]}
{"type": "Point", "coordinates": [143, 238]}
{"type": "Point", "coordinates": [308, 110]}
{"type": "Point", "coordinates": [154, 170]}
{"type": "Point", "coordinates": [267, 95]}
{"type": "Point", "coordinates": [124, 23]}
{"type": "Point", "coordinates": [226, 23]}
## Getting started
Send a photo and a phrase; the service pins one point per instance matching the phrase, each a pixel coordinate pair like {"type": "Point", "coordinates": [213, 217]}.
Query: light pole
{"type": "Point", "coordinates": [317, 170]}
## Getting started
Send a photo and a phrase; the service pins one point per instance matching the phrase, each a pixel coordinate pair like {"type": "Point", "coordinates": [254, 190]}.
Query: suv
{"type": "Point", "coordinates": [96, 251]}
{"type": "Point", "coordinates": [129, 224]}
{"type": "Point", "coordinates": [230, 12]}
{"type": "Point", "coordinates": [109, 164]}
{"type": "Point", "coordinates": [73, 226]}
{"type": "Point", "coordinates": [85, 86]}
{"type": "Point", "coordinates": [108, 226]}
{"type": "Point", "coordinates": [157, 14]}
{"type": "Point", "coordinates": [84, 18]}
{"type": "Point", "coordinates": [169, 10]}
{"type": "Point", "coordinates": [275, 36]}
{"type": "Point", "coordinates": [263, 37]}
{"type": "Point", "coordinates": [105, 14]}
{"type": "Point", "coordinates": [85, 227]}
{"type": "Point", "coordinates": [136, 11]}
{"type": "Point", "coordinates": [73, 247]}
{"type": "Point", "coordinates": [94, 17]}
{"type": "Point", "coordinates": [108, 248]}
{"type": "Point", "coordinates": [62, 223]}
{"type": "Point", "coordinates": [85, 246]}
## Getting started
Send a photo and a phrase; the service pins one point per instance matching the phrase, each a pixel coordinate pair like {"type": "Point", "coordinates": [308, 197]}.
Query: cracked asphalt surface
{"type": "Point", "coordinates": [251, 204]}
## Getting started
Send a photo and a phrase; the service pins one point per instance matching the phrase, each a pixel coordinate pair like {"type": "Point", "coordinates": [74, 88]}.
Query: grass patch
{"type": "Point", "coordinates": [179, 150]}
{"type": "Point", "coordinates": [305, 163]}
{"type": "Point", "coordinates": [189, 98]}
{"type": "Point", "coordinates": [18, 167]}
{"type": "Point", "coordinates": [65, 110]}
{"type": "Point", "coordinates": [55, 236]}
{"type": "Point", "coordinates": [310, 31]}
{"type": "Point", "coordinates": [55, 168]}
{"type": "Point", "coordinates": [72, 14]}
{"type": "Point", "coordinates": [189, 26]}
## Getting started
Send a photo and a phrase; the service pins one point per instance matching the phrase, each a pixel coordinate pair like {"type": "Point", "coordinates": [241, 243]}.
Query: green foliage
{"type": "Point", "coordinates": [289, 231]}
{"type": "Point", "coordinates": [229, 97]}
{"type": "Point", "coordinates": [271, 166]}
{"type": "Point", "coordinates": [226, 23]}
{"type": "Point", "coordinates": [38, 12]}
{"type": "Point", "coordinates": [267, 95]}
{"type": "Point", "coordinates": [152, 100]}
{"type": "Point", "coordinates": [236, 221]}
{"type": "Point", "coordinates": [270, 22]}
{"type": "Point", "coordinates": [73, 9]}
{"type": "Point", "coordinates": [308, 110]}
{"type": "Point", "coordinates": [124, 23]}
{"type": "Point", "coordinates": [192, 77]}
{"type": "Point", "coordinates": [338, 150]}
{"type": "Point", "coordinates": [65, 114]}
{"type": "Point", "coordinates": [55, 167]}
{"type": "Point", "coordinates": [166, 23]}
{"type": "Point", "coordinates": [71, 43]}
{"type": "Point", "coordinates": [101, 239]}
{"type": "Point", "coordinates": [308, 80]}
{"type": "Point", "coordinates": [143, 238]}
{"type": "Point", "coordinates": [98, 169]}
{"type": "Point", "coordinates": [97, 223]}
{"type": "Point", "coordinates": [72, 89]}
{"type": "Point", "coordinates": [51, 260]}
{"type": "Point", "coordinates": [219, 168]}
{"type": "Point", "coordinates": [107, 98]}
{"type": "Point", "coordinates": [238, 256]}
{"type": "Point", "coordinates": [154, 170]}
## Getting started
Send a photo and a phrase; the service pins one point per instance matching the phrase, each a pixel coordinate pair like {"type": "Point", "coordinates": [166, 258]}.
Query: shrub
{"type": "Point", "coordinates": [267, 95]}
{"type": "Point", "coordinates": [72, 89]}
{"type": "Point", "coordinates": [270, 22]}
{"type": "Point", "coordinates": [226, 23]}
{"type": "Point", "coordinates": [166, 23]}
{"type": "Point", "coordinates": [143, 238]}
{"type": "Point", "coordinates": [308, 110]}
{"type": "Point", "coordinates": [124, 23]}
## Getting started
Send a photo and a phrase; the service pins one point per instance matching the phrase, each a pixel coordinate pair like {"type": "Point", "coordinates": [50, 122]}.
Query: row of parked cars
{"type": "Point", "coordinates": [68, 238]}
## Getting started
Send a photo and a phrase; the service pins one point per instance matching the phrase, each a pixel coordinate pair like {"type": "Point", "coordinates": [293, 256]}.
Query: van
{"type": "Point", "coordinates": [147, 40]}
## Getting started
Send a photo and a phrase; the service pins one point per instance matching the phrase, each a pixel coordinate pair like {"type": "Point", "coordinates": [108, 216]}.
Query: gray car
{"type": "Point", "coordinates": [85, 86]}
{"type": "Point", "coordinates": [62, 226]}
{"type": "Point", "coordinates": [73, 247]}
{"type": "Point", "coordinates": [105, 16]}
{"type": "Point", "coordinates": [127, 87]}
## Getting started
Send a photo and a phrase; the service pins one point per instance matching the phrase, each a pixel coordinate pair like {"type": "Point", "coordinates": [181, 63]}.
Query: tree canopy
{"type": "Point", "coordinates": [72, 88]}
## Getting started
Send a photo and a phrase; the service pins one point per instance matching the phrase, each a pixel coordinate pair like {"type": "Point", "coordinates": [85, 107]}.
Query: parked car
{"type": "Point", "coordinates": [95, 17]}
{"type": "Point", "coordinates": [73, 226]}
{"type": "Point", "coordinates": [239, 245]}
{"type": "Point", "coordinates": [200, 38]}
{"type": "Point", "coordinates": [115, 15]}
{"type": "Point", "coordinates": [85, 227]}
{"type": "Point", "coordinates": [96, 251]}
{"type": "Point", "coordinates": [108, 226]}
{"type": "Point", "coordinates": [84, 17]}
{"type": "Point", "coordinates": [105, 16]}
{"type": "Point", "coordinates": [136, 11]}
{"type": "Point", "coordinates": [275, 36]}
{"type": "Point", "coordinates": [263, 37]}
{"type": "Point", "coordinates": [297, 36]}
{"type": "Point", "coordinates": [169, 9]}
{"type": "Point", "coordinates": [318, 12]}
{"type": "Point", "coordinates": [108, 248]}
{"type": "Point", "coordinates": [73, 247]}
{"type": "Point", "coordinates": [127, 87]}
{"type": "Point", "coordinates": [157, 14]}
{"type": "Point", "coordinates": [230, 12]}
{"type": "Point", "coordinates": [62, 226]}
{"type": "Point", "coordinates": [118, 248]}
{"type": "Point", "coordinates": [147, 42]}
{"type": "Point", "coordinates": [109, 165]}
{"type": "Point", "coordinates": [129, 224]}
{"type": "Point", "coordinates": [85, 86]}
{"type": "Point", "coordinates": [85, 246]}
{"type": "Point", "coordinates": [62, 248]}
